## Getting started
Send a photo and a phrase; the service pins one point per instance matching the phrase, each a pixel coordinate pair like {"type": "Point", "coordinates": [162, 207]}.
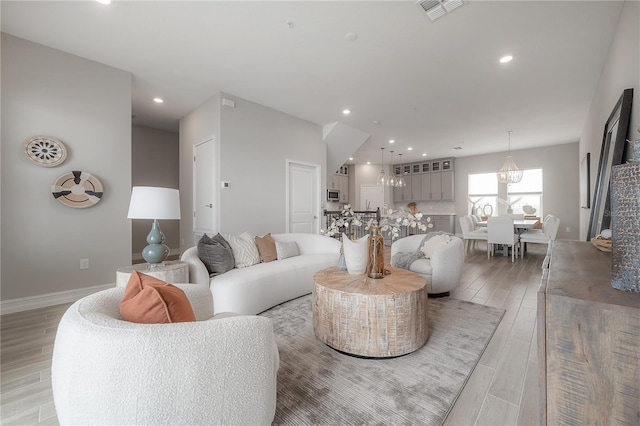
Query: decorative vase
{"type": "Point", "coordinates": [156, 252]}
{"type": "Point", "coordinates": [625, 229]}
{"type": "Point", "coordinates": [342, 264]}
{"type": "Point", "coordinates": [375, 267]}
{"type": "Point", "coordinates": [355, 254]}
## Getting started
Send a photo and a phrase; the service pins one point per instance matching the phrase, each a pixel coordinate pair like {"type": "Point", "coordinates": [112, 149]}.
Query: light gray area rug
{"type": "Point", "coordinates": [319, 385]}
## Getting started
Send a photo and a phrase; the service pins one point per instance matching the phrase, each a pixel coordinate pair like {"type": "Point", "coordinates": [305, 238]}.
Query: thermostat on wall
{"type": "Point", "coordinates": [224, 184]}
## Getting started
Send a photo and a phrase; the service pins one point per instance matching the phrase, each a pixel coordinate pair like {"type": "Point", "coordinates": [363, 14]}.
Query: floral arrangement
{"type": "Point", "coordinates": [339, 224]}
{"type": "Point", "coordinates": [390, 224]}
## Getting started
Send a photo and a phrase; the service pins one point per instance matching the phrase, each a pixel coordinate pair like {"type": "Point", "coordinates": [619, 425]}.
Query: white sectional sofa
{"type": "Point", "coordinates": [256, 288]}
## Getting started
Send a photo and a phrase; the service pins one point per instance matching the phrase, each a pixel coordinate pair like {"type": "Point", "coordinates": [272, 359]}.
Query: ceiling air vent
{"type": "Point", "coordinates": [437, 8]}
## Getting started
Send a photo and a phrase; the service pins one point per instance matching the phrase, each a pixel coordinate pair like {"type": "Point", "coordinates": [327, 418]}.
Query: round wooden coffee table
{"type": "Point", "coordinates": [379, 318]}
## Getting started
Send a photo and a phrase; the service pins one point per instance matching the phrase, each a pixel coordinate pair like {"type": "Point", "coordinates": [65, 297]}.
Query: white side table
{"type": "Point", "coordinates": [173, 271]}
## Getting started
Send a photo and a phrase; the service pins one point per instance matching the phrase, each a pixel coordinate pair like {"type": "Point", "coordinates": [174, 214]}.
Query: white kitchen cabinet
{"type": "Point", "coordinates": [340, 181]}
{"type": "Point", "coordinates": [447, 186]}
{"type": "Point", "coordinates": [416, 187]}
{"type": "Point", "coordinates": [403, 193]}
{"type": "Point", "coordinates": [426, 181]}
{"type": "Point", "coordinates": [436, 186]}
{"type": "Point", "coordinates": [425, 193]}
{"type": "Point", "coordinates": [343, 186]}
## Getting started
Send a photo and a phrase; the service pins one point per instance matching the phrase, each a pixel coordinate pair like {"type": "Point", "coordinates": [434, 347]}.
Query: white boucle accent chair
{"type": "Point", "coordinates": [443, 271]}
{"type": "Point", "coordinates": [214, 371]}
{"type": "Point", "coordinates": [256, 288]}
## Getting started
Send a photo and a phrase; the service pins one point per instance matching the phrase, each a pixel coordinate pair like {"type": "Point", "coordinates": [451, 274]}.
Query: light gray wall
{"type": "Point", "coordinates": [253, 143]}
{"type": "Point", "coordinates": [88, 106]}
{"type": "Point", "coordinates": [199, 125]}
{"type": "Point", "coordinates": [621, 71]}
{"type": "Point", "coordinates": [366, 174]}
{"type": "Point", "coordinates": [154, 162]}
{"type": "Point", "coordinates": [560, 191]}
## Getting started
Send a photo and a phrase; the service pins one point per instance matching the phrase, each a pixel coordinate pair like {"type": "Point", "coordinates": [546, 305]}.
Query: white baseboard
{"type": "Point", "coordinates": [50, 299]}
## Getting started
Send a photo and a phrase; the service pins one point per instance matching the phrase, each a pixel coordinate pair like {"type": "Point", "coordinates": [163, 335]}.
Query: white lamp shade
{"type": "Point", "coordinates": [148, 202]}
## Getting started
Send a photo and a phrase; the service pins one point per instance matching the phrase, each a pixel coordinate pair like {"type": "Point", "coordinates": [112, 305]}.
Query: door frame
{"type": "Point", "coordinates": [318, 173]}
{"type": "Point", "coordinates": [215, 184]}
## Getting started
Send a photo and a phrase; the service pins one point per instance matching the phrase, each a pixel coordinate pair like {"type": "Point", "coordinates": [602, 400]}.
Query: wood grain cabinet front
{"type": "Point", "coordinates": [588, 341]}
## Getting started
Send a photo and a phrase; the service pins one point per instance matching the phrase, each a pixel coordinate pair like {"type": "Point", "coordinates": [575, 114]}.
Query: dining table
{"type": "Point", "coordinates": [518, 224]}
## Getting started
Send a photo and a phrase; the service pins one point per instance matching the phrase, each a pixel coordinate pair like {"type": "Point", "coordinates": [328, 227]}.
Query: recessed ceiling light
{"type": "Point", "coordinates": [368, 162]}
{"type": "Point", "coordinates": [346, 111]}
{"type": "Point", "coordinates": [505, 59]}
{"type": "Point", "coordinates": [392, 141]}
{"type": "Point", "coordinates": [158, 100]}
{"type": "Point", "coordinates": [350, 158]}
{"type": "Point", "coordinates": [424, 154]}
{"type": "Point", "coordinates": [376, 121]}
{"type": "Point", "coordinates": [409, 149]}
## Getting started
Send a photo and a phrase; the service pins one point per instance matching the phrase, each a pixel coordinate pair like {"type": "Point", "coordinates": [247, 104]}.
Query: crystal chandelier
{"type": "Point", "coordinates": [509, 173]}
{"type": "Point", "coordinates": [382, 178]}
{"type": "Point", "coordinates": [393, 179]}
{"type": "Point", "coordinates": [400, 182]}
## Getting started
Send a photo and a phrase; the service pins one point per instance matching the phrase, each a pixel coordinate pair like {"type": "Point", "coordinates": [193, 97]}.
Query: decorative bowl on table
{"type": "Point", "coordinates": [601, 243]}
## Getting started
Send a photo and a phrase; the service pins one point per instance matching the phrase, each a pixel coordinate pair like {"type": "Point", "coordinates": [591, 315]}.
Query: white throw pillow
{"type": "Point", "coordinates": [356, 254]}
{"type": "Point", "coordinates": [285, 249]}
{"type": "Point", "coordinates": [433, 244]}
{"type": "Point", "coordinates": [245, 251]}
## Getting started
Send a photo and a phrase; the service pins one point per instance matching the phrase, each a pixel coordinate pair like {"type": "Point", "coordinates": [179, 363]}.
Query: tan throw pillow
{"type": "Point", "coordinates": [148, 300]}
{"type": "Point", "coordinates": [267, 248]}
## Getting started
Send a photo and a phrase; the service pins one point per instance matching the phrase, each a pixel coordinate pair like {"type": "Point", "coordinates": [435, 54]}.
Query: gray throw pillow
{"type": "Point", "coordinates": [216, 254]}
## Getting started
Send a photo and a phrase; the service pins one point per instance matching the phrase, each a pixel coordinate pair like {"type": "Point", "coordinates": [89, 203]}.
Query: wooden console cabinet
{"type": "Point", "coordinates": [588, 341]}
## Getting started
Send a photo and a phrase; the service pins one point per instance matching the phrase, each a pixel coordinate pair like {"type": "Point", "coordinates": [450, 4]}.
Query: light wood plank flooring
{"type": "Point", "coordinates": [501, 391]}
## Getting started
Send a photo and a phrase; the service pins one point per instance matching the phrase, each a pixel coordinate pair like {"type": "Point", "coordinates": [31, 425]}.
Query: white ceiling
{"type": "Point", "coordinates": [431, 85]}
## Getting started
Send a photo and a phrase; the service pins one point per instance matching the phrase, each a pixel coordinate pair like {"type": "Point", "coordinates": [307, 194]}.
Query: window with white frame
{"type": "Point", "coordinates": [483, 193]}
{"type": "Point", "coordinates": [527, 192]}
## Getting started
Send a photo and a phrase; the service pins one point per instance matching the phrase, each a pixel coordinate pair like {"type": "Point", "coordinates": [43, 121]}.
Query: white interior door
{"type": "Point", "coordinates": [373, 196]}
{"type": "Point", "coordinates": [303, 198]}
{"type": "Point", "coordinates": [204, 209]}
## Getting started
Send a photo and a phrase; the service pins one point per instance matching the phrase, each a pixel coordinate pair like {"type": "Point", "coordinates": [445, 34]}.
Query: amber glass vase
{"type": "Point", "coordinates": [375, 268]}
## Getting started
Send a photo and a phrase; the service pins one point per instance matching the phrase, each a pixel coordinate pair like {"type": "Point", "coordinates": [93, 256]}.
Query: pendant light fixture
{"type": "Point", "coordinates": [401, 183]}
{"type": "Point", "coordinates": [393, 179]}
{"type": "Point", "coordinates": [509, 173]}
{"type": "Point", "coordinates": [382, 178]}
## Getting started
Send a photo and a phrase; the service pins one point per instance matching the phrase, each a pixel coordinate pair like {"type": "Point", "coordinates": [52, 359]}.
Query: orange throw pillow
{"type": "Point", "coordinates": [148, 300]}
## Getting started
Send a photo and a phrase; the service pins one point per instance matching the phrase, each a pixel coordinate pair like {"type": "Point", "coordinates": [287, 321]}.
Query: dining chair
{"type": "Point", "coordinates": [540, 230]}
{"type": "Point", "coordinates": [469, 234]}
{"type": "Point", "coordinates": [547, 236]}
{"type": "Point", "coordinates": [500, 231]}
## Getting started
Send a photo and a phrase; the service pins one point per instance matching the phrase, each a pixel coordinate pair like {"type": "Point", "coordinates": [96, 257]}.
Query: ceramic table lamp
{"type": "Point", "coordinates": [148, 202]}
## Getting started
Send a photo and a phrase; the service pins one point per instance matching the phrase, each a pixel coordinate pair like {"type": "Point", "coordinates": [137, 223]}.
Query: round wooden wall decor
{"type": "Point", "coordinates": [77, 189]}
{"type": "Point", "coordinates": [44, 151]}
